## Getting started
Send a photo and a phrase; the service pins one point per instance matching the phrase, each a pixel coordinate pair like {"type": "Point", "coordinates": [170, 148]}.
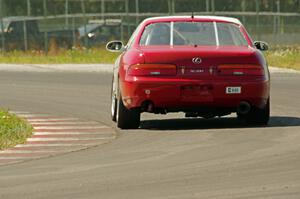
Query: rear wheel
{"type": "Point", "coordinates": [114, 104]}
{"type": "Point", "coordinates": [257, 116]}
{"type": "Point", "coordinates": [127, 118]}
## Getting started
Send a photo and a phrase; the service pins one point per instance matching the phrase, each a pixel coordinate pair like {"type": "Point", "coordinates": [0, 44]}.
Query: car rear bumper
{"type": "Point", "coordinates": [186, 94]}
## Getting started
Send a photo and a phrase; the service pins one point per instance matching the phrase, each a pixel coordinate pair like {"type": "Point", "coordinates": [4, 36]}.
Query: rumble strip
{"type": "Point", "coordinates": [56, 135]}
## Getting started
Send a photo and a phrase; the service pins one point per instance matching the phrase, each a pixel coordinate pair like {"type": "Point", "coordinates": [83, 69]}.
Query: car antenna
{"type": "Point", "coordinates": [192, 15]}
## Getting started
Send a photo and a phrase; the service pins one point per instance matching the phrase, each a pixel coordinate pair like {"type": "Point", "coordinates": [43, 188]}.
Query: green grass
{"type": "Point", "coordinates": [13, 130]}
{"type": "Point", "coordinates": [279, 56]}
{"type": "Point", "coordinates": [284, 56]}
{"type": "Point", "coordinates": [59, 56]}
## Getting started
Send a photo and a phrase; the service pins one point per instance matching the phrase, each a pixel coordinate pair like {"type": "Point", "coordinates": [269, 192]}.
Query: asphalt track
{"type": "Point", "coordinates": [169, 157]}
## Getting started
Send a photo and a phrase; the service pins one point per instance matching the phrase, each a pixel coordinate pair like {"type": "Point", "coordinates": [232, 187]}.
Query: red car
{"type": "Point", "coordinates": [201, 65]}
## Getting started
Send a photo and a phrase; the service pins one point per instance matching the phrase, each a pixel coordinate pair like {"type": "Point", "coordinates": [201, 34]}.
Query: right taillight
{"type": "Point", "coordinates": [237, 70]}
{"type": "Point", "coordinates": [152, 70]}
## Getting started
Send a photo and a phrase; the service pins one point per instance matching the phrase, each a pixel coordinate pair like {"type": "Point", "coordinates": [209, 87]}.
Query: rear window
{"type": "Point", "coordinates": [230, 34]}
{"type": "Point", "coordinates": [156, 34]}
{"type": "Point", "coordinates": [193, 33]}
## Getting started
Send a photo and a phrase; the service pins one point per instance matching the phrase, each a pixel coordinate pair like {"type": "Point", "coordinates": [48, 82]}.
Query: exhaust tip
{"type": "Point", "coordinates": [243, 108]}
{"type": "Point", "coordinates": [147, 106]}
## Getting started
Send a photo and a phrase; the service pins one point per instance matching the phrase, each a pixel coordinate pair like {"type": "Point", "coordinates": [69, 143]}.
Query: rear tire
{"type": "Point", "coordinates": [127, 118]}
{"type": "Point", "coordinates": [257, 116]}
{"type": "Point", "coordinates": [114, 104]}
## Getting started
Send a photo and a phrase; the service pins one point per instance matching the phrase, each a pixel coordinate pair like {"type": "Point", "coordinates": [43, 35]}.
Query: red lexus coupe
{"type": "Point", "coordinates": [204, 66]}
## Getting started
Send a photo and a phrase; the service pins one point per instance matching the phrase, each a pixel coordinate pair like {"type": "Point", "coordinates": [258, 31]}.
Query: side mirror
{"type": "Point", "coordinates": [260, 45]}
{"type": "Point", "coordinates": [115, 46]}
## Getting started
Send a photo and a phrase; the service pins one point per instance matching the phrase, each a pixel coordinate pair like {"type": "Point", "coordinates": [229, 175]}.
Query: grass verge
{"type": "Point", "coordinates": [59, 56]}
{"type": "Point", "coordinates": [13, 130]}
{"type": "Point", "coordinates": [284, 56]}
{"type": "Point", "coordinates": [279, 56]}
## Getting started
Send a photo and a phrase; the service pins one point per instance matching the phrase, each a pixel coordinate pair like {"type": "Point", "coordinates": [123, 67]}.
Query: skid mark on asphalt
{"type": "Point", "coordinates": [56, 135]}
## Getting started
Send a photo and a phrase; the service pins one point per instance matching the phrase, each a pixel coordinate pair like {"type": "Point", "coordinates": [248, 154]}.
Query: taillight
{"type": "Point", "coordinates": [152, 70]}
{"type": "Point", "coordinates": [240, 69]}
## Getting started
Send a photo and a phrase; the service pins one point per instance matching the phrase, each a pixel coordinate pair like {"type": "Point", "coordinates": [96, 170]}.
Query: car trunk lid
{"type": "Point", "coordinates": [200, 62]}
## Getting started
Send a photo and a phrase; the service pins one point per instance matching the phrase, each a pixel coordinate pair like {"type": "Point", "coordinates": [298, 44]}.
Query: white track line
{"type": "Point", "coordinates": [19, 157]}
{"type": "Point", "coordinates": [52, 119]}
{"type": "Point", "coordinates": [29, 151]}
{"type": "Point", "coordinates": [41, 147]}
{"type": "Point", "coordinates": [33, 115]}
{"type": "Point", "coordinates": [19, 112]}
{"type": "Point", "coordinates": [46, 147]}
{"type": "Point", "coordinates": [68, 127]}
{"type": "Point", "coordinates": [64, 123]}
{"type": "Point", "coordinates": [56, 145]}
{"type": "Point", "coordinates": [70, 133]}
{"type": "Point", "coordinates": [67, 139]}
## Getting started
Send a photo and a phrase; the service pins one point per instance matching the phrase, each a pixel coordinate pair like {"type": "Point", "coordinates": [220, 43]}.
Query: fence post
{"type": "Point", "coordinates": [102, 9]}
{"type": "Point", "coordinates": [127, 17]}
{"type": "Point", "coordinates": [243, 10]}
{"type": "Point", "coordinates": [169, 7]}
{"type": "Point", "coordinates": [213, 6]}
{"type": "Point", "coordinates": [45, 33]}
{"type": "Point", "coordinates": [28, 7]}
{"type": "Point", "coordinates": [25, 35]}
{"type": "Point", "coordinates": [274, 28]}
{"type": "Point", "coordinates": [279, 18]}
{"type": "Point", "coordinates": [173, 6]}
{"type": "Point", "coordinates": [2, 35]}
{"type": "Point", "coordinates": [257, 19]}
{"type": "Point", "coordinates": [66, 14]}
{"type": "Point", "coordinates": [137, 10]}
{"type": "Point", "coordinates": [122, 29]}
{"type": "Point", "coordinates": [207, 6]}
{"type": "Point", "coordinates": [85, 21]}
{"type": "Point", "coordinates": [25, 26]}
{"type": "Point", "coordinates": [2, 26]}
{"type": "Point", "coordinates": [73, 31]}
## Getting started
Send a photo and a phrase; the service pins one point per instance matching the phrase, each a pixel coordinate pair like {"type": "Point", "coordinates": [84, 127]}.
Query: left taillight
{"type": "Point", "coordinates": [247, 70]}
{"type": "Point", "coordinates": [152, 70]}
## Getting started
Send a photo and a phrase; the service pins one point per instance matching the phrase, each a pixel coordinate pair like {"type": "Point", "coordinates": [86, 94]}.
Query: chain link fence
{"type": "Point", "coordinates": [46, 24]}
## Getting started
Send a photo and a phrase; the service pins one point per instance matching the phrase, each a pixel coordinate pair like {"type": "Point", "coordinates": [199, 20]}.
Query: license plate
{"type": "Point", "coordinates": [233, 90]}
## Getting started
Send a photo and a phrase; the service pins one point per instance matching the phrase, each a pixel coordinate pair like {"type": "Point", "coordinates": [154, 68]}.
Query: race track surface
{"type": "Point", "coordinates": [169, 157]}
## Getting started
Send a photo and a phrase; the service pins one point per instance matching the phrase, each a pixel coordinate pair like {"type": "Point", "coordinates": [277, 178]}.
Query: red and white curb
{"type": "Point", "coordinates": [56, 135]}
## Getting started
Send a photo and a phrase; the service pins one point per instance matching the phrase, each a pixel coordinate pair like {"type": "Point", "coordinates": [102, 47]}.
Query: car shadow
{"type": "Point", "coordinates": [216, 123]}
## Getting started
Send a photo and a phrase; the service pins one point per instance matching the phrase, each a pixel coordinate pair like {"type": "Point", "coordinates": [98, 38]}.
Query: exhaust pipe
{"type": "Point", "coordinates": [243, 108]}
{"type": "Point", "coordinates": [147, 106]}
{"type": "Point", "coordinates": [150, 107]}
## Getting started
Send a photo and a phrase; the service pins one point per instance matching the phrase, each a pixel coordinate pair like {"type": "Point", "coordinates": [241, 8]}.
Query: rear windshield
{"type": "Point", "coordinates": [193, 33]}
